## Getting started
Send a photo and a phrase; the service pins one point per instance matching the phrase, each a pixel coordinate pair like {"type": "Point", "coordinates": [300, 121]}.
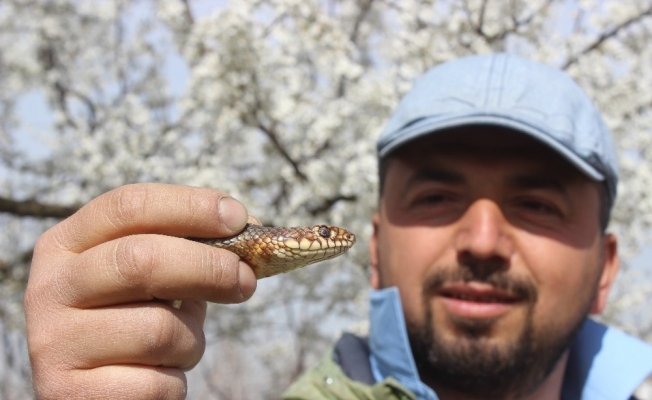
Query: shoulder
{"type": "Point", "coordinates": [605, 361]}
{"type": "Point", "coordinates": [326, 381]}
{"type": "Point", "coordinates": [344, 373]}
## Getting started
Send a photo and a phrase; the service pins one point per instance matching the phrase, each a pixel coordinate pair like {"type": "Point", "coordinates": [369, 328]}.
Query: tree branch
{"type": "Point", "coordinates": [63, 92]}
{"type": "Point", "coordinates": [273, 137]}
{"type": "Point", "coordinates": [364, 11]}
{"type": "Point", "coordinates": [606, 36]}
{"type": "Point", "coordinates": [521, 22]}
{"type": "Point", "coordinates": [49, 60]}
{"type": "Point", "coordinates": [516, 23]}
{"type": "Point", "coordinates": [16, 262]}
{"type": "Point", "coordinates": [270, 132]}
{"type": "Point", "coordinates": [330, 202]}
{"type": "Point", "coordinates": [282, 195]}
{"type": "Point", "coordinates": [483, 10]}
{"type": "Point", "coordinates": [319, 151]}
{"type": "Point", "coordinates": [188, 12]}
{"type": "Point", "coordinates": [33, 208]}
{"type": "Point", "coordinates": [469, 17]}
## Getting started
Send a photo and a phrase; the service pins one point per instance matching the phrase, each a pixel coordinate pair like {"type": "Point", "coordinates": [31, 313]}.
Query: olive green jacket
{"type": "Point", "coordinates": [328, 381]}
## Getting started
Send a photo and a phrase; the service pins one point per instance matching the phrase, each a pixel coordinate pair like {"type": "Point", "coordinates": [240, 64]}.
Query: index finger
{"type": "Point", "coordinates": [173, 210]}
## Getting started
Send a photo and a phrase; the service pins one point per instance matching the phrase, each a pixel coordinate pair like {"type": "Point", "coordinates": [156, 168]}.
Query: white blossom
{"type": "Point", "coordinates": [278, 103]}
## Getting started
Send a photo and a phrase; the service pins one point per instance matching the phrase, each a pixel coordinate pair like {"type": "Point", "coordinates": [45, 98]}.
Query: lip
{"type": "Point", "coordinates": [474, 300]}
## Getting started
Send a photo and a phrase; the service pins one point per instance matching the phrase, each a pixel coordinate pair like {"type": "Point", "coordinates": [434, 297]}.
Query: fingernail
{"type": "Point", "coordinates": [233, 214]}
{"type": "Point", "coordinates": [247, 280]}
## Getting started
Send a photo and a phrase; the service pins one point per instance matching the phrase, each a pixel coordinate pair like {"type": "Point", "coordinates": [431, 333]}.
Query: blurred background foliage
{"type": "Point", "coordinates": [278, 103]}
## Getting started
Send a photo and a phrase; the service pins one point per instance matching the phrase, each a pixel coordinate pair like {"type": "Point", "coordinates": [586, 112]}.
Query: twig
{"type": "Point", "coordinates": [330, 202]}
{"type": "Point", "coordinates": [33, 208]}
{"type": "Point", "coordinates": [607, 35]}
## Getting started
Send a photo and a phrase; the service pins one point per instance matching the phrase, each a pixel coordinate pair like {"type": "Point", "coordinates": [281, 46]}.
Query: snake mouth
{"type": "Point", "coordinates": [325, 248]}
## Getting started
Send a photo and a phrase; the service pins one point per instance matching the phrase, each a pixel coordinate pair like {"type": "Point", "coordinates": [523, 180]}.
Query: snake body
{"type": "Point", "coordinates": [276, 250]}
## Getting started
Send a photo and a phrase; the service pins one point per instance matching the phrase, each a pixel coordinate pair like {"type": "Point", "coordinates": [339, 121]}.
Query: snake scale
{"type": "Point", "coordinates": [276, 250]}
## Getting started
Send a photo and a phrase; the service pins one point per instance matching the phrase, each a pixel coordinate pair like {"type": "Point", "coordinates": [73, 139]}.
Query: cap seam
{"type": "Point", "coordinates": [490, 78]}
{"type": "Point", "coordinates": [502, 80]}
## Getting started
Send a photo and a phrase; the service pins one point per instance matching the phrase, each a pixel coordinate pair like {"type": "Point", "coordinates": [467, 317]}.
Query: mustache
{"type": "Point", "coordinates": [500, 279]}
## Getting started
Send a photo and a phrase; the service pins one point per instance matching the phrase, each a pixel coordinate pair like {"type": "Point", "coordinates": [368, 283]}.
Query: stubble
{"type": "Point", "coordinates": [476, 366]}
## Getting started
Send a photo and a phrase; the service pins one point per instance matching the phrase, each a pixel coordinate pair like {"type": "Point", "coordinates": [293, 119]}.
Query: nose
{"type": "Point", "coordinates": [484, 235]}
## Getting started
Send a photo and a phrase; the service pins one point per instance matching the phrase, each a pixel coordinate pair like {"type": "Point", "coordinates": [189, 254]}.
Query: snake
{"type": "Point", "coordinates": [276, 250]}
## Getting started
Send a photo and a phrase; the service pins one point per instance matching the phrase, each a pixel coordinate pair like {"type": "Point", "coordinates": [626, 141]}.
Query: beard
{"type": "Point", "coordinates": [473, 364]}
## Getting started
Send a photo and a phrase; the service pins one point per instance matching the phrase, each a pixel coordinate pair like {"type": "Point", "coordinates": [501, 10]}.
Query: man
{"type": "Point", "coordinates": [489, 251]}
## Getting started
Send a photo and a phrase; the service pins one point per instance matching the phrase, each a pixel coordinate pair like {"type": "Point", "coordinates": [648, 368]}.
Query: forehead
{"type": "Point", "coordinates": [484, 146]}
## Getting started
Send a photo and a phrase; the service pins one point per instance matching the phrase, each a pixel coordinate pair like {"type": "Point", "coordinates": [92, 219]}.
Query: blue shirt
{"type": "Point", "coordinates": [603, 364]}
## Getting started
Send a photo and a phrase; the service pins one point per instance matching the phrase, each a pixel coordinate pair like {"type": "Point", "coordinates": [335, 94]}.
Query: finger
{"type": "Point", "coordinates": [196, 309]}
{"type": "Point", "coordinates": [150, 208]}
{"type": "Point", "coordinates": [139, 268]}
{"type": "Point", "coordinates": [115, 382]}
{"type": "Point", "coordinates": [147, 334]}
{"type": "Point", "coordinates": [253, 220]}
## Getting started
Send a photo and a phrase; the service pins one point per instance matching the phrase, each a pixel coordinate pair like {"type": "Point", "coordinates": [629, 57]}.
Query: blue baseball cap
{"type": "Point", "coordinates": [511, 92]}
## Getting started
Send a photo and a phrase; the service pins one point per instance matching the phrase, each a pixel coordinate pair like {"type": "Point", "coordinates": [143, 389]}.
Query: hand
{"type": "Point", "coordinates": [98, 324]}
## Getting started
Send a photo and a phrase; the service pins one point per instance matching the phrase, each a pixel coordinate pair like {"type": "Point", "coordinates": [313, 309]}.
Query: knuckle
{"type": "Point", "coordinates": [162, 384]}
{"type": "Point", "coordinates": [225, 268]}
{"type": "Point", "coordinates": [194, 200]}
{"type": "Point", "coordinates": [165, 334]}
{"type": "Point", "coordinates": [30, 299]}
{"type": "Point", "coordinates": [58, 238]}
{"type": "Point", "coordinates": [134, 260]}
{"type": "Point", "coordinates": [127, 203]}
{"type": "Point", "coordinates": [40, 350]}
{"type": "Point", "coordinates": [201, 203]}
{"type": "Point", "coordinates": [195, 347]}
{"type": "Point", "coordinates": [51, 387]}
{"type": "Point", "coordinates": [48, 375]}
{"type": "Point", "coordinates": [184, 339]}
{"type": "Point", "coordinates": [45, 270]}
{"type": "Point", "coordinates": [147, 383]}
{"type": "Point", "coordinates": [33, 292]}
{"type": "Point", "coordinates": [47, 240]}
{"type": "Point", "coordinates": [222, 277]}
{"type": "Point", "coordinates": [42, 245]}
{"type": "Point", "coordinates": [34, 300]}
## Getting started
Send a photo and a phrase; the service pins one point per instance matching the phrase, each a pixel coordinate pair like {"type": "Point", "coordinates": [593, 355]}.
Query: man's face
{"type": "Point", "coordinates": [496, 249]}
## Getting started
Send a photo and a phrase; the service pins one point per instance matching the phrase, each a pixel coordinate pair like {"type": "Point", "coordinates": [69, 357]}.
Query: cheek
{"type": "Point", "coordinates": [566, 277]}
{"type": "Point", "coordinates": [406, 255]}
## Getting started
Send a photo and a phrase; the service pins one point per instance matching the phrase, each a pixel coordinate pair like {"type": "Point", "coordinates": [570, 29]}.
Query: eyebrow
{"type": "Point", "coordinates": [537, 182]}
{"type": "Point", "coordinates": [441, 175]}
{"type": "Point", "coordinates": [523, 181]}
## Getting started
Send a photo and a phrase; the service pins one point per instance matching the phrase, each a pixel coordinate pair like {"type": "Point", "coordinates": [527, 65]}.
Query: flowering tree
{"type": "Point", "coordinates": [278, 103]}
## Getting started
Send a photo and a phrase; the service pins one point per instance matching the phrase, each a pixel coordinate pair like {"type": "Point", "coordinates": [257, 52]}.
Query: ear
{"type": "Point", "coordinates": [373, 253]}
{"type": "Point", "coordinates": [610, 266]}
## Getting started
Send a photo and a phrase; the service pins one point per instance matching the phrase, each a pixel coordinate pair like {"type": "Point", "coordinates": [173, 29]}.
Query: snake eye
{"type": "Point", "coordinates": [324, 232]}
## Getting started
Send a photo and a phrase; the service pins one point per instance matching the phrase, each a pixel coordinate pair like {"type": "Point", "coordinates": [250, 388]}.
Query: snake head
{"type": "Point", "coordinates": [276, 250]}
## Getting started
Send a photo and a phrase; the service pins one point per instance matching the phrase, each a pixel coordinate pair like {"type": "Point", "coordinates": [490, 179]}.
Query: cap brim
{"type": "Point", "coordinates": [432, 125]}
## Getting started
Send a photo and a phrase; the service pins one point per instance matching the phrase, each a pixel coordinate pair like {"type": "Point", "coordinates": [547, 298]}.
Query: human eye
{"type": "Point", "coordinates": [539, 207]}
{"type": "Point", "coordinates": [433, 198]}
{"type": "Point", "coordinates": [436, 201]}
